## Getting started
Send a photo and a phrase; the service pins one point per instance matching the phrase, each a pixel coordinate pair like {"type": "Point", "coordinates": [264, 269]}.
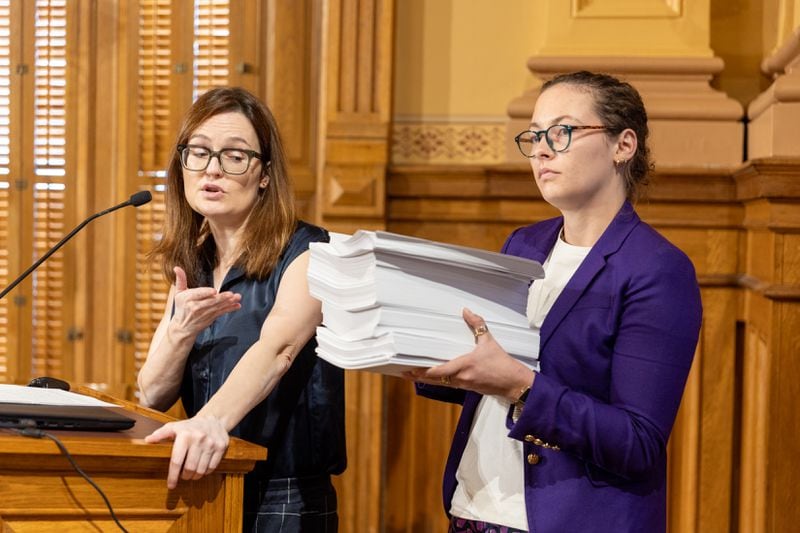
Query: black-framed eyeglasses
{"type": "Point", "coordinates": [558, 137]}
{"type": "Point", "coordinates": [232, 161]}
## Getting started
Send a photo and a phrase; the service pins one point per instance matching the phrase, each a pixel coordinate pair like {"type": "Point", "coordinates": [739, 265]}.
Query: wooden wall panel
{"type": "Point", "coordinates": [419, 432]}
{"type": "Point", "coordinates": [783, 472]}
{"type": "Point", "coordinates": [755, 425]}
{"type": "Point", "coordinates": [290, 68]}
{"type": "Point", "coordinates": [716, 425]}
{"type": "Point", "coordinates": [701, 449]}
{"type": "Point", "coordinates": [360, 488]}
{"type": "Point", "coordinates": [769, 190]}
{"type": "Point", "coordinates": [682, 450]}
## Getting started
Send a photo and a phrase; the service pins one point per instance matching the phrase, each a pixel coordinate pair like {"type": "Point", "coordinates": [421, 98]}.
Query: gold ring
{"type": "Point", "coordinates": [480, 330]}
{"type": "Point", "coordinates": [445, 380]}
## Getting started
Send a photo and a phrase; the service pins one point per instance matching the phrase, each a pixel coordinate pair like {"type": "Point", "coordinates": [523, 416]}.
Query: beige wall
{"type": "Point", "coordinates": [465, 61]}
{"type": "Point", "coordinates": [456, 59]}
{"type": "Point", "coordinates": [459, 65]}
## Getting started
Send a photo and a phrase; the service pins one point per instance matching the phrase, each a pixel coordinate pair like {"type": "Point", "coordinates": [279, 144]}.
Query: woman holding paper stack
{"type": "Point", "coordinates": [235, 343]}
{"type": "Point", "coordinates": [579, 443]}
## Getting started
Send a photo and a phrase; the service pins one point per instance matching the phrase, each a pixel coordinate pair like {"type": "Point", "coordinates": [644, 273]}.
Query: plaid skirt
{"type": "Point", "coordinates": [292, 505]}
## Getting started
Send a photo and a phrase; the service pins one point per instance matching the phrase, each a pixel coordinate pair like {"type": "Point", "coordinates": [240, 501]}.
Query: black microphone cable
{"type": "Point", "coordinates": [37, 433]}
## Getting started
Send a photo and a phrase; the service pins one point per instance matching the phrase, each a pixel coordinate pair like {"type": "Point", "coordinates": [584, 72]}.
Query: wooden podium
{"type": "Point", "coordinates": [41, 492]}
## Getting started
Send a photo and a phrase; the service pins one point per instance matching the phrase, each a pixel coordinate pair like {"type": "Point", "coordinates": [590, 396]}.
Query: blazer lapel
{"type": "Point", "coordinates": [537, 244]}
{"type": "Point", "coordinates": [609, 242]}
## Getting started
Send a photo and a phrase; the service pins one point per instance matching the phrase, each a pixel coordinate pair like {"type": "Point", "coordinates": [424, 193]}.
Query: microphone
{"type": "Point", "coordinates": [136, 199]}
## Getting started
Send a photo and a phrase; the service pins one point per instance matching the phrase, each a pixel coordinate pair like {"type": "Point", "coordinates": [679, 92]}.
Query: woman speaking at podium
{"type": "Point", "coordinates": [578, 444]}
{"type": "Point", "coordinates": [236, 343]}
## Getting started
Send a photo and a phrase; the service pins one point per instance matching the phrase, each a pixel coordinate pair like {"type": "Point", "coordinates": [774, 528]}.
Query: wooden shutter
{"type": "Point", "coordinates": [5, 185]}
{"type": "Point", "coordinates": [155, 125]}
{"type": "Point", "coordinates": [211, 45]}
{"type": "Point", "coordinates": [50, 184]}
{"type": "Point", "coordinates": [34, 184]}
{"type": "Point", "coordinates": [164, 96]}
{"type": "Point", "coordinates": [154, 75]}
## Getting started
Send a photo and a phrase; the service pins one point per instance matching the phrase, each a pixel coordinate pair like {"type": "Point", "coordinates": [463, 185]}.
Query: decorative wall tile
{"type": "Point", "coordinates": [448, 143]}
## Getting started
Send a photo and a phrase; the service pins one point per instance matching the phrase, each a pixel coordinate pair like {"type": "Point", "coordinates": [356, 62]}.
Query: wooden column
{"type": "Point", "coordinates": [105, 110]}
{"type": "Point", "coordinates": [352, 152]}
{"type": "Point", "coordinates": [292, 69]}
{"type": "Point", "coordinates": [768, 499]}
{"type": "Point", "coordinates": [357, 101]}
{"type": "Point", "coordinates": [769, 188]}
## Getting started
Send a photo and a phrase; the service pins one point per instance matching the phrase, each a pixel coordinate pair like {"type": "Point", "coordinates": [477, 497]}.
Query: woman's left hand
{"type": "Point", "coordinates": [488, 369]}
{"type": "Point", "coordinates": [200, 443]}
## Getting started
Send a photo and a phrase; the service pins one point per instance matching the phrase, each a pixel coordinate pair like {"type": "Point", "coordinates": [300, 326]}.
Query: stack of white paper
{"type": "Point", "coordinates": [390, 301]}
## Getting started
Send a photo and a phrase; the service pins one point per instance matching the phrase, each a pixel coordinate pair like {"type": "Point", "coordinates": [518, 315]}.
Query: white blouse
{"type": "Point", "coordinates": [491, 484]}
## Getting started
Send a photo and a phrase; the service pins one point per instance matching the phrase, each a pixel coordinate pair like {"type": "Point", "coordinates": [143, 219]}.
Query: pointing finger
{"type": "Point", "coordinates": [176, 463]}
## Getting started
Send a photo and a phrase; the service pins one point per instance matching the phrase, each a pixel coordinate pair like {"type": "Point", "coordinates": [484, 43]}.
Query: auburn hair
{"type": "Point", "coordinates": [186, 240]}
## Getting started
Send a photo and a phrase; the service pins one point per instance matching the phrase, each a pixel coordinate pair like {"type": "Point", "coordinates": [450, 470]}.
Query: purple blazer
{"type": "Point", "coordinates": [615, 351]}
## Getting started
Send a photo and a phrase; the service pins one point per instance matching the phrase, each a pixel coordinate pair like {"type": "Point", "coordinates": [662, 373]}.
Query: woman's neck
{"type": "Point", "coordinates": [584, 227]}
{"type": "Point", "coordinates": [226, 241]}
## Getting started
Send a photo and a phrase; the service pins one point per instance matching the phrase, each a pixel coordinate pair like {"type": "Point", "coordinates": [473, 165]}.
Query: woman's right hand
{"type": "Point", "coordinates": [197, 308]}
{"type": "Point", "coordinates": [488, 369]}
{"type": "Point", "coordinates": [199, 445]}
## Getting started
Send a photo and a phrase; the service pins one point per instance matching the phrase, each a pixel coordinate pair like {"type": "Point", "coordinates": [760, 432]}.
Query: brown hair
{"type": "Point", "coordinates": [187, 240]}
{"type": "Point", "coordinates": [619, 107]}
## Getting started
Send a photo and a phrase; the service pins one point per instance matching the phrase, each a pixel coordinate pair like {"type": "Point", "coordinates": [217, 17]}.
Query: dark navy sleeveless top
{"type": "Point", "coordinates": [301, 422]}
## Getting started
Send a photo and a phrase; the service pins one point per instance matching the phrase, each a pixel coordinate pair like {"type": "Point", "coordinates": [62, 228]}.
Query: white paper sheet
{"type": "Point", "coordinates": [42, 396]}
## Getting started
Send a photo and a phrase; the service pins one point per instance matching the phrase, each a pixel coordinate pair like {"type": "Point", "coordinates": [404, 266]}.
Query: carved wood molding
{"type": "Point", "coordinates": [357, 96]}
{"type": "Point", "coordinates": [514, 180]}
{"type": "Point", "coordinates": [719, 281]}
{"type": "Point", "coordinates": [770, 291]}
{"type": "Point", "coordinates": [768, 178]}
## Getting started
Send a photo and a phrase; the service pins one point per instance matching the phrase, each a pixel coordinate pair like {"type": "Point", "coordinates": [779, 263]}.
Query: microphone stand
{"type": "Point", "coordinates": [137, 199]}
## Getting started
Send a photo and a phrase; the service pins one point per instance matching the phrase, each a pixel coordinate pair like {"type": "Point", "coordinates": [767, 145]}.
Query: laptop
{"type": "Point", "coordinates": [68, 417]}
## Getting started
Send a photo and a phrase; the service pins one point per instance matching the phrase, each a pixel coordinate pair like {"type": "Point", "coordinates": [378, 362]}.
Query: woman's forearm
{"type": "Point", "coordinates": [160, 377]}
{"type": "Point", "coordinates": [252, 379]}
